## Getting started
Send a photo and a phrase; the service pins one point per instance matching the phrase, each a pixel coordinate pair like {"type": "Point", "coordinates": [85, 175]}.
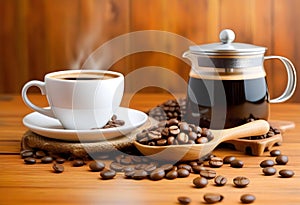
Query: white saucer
{"type": "Point", "coordinates": [52, 128]}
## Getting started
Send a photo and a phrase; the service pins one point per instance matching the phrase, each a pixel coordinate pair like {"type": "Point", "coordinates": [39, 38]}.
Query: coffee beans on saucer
{"type": "Point", "coordinates": [113, 122]}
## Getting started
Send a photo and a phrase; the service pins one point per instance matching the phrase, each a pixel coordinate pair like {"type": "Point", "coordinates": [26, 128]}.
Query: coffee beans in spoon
{"type": "Point", "coordinates": [174, 132]}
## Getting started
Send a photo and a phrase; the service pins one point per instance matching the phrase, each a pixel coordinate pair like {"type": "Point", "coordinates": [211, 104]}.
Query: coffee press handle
{"type": "Point", "coordinates": [41, 86]}
{"type": "Point", "coordinates": [291, 82]}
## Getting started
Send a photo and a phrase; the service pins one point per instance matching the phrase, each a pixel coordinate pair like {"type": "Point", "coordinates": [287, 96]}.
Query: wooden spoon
{"type": "Point", "coordinates": [188, 152]}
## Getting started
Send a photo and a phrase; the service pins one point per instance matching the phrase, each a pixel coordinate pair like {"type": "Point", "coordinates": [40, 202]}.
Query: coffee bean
{"type": "Point", "coordinates": [171, 140]}
{"type": "Point", "coordinates": [173, 174]}
{"type": "Point", "coordinates": [184, 200]}
{"type": "Point", "coordinates": [40, 154]}
{"type": "Point", "coordinates": [200, 182]}
{"type": "Point", "coordinates": [141, 135]}
{"type": "Point", "coordinates": [139, 174]}
{"type": "Point", "coordinates": [140, 166]}
{"type": "Point", "coordinates": [29, 160]}
{"type": "Point", "coordinates": [149, 168]}
{"type": "Point", "coordinates": [228, 159]}
{"type": "Point", "coordinates": [208, 173]}
{"type": "Point", "coordinates": [182, 138]}
{"type": "Point", "coordinates": [96, 166]}
{"type": "Point", "coordinates": [197, 168]}
{"type": "Point", "coordinates": [275, 153]}
{"type": "Point", "coordinates": [161, 142]}
{"type": "Point", "coordinates": [47, 160]}
{"type": "Point", "coordinates": [157, 174]}
{"type": "Point", "coordinates": [192, 135]}
{"type": "Point", "coordinates": [167, 167]}
{"type": "Point", "coordinates": [247, 198]}
{"type": "Point", "coordinates": [183, 173]}
{"type": "Point", "coordinates": [174, 130]}
{"type": "Point", "coordinates": [215, 162]}
{"type": "Point", "coordinates": [241, 181]}
{"type": "Point", "coordinates": [282, 160]}
{"type": "Point", "coordinates": [107, 174]}
{"type": "Point", "coordinates": [184, 127]}
{"type": "Point", "coordinates": [129, 174]}
{"type": "Point", "coordinates": [78, 163]}
{"type": "Point", "coordinates": [212, 198]}
{"type": "Point", "coordinates": [128, 169]}
{"type": "Point", "coordinates": [116, 166]}
{"type": "Point", "coordinates": [185, 166]}
{"type": "Point", "coordinates": [237, 163]}
{"type": "Point", "coordinates": [220, 180]}
{"type": "Point", "coordinates": [60, 160]}
{"type": "Point", "coordinates": [201, 140]}
{"type": "Point", "coordinates": [154, 135]}
{"type": "Point", "coordinates": [268, 171]}
{"type": "Point", "coordinates": [126, 160]}
{"type": "Point", "coordinates": [267, 163]}
{"type": "Point", "coordinates": [26, 153]}
{"type": "Point", "coordinates": [136, 159]}
{"type": "Point", "coordinates": [172, 122]}
{"type": "Point", "coordinates": [286, 173]}
{"type": "Point", "coordinates": [58, 168]}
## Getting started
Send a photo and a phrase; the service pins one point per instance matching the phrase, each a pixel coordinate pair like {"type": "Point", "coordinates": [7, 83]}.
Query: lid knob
{"type": "Point", "coordinates": [227, 36]}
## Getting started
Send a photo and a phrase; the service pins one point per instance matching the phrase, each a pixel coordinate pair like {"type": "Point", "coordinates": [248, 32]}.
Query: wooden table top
{"type": "Point", "coordinates": [37, 184]}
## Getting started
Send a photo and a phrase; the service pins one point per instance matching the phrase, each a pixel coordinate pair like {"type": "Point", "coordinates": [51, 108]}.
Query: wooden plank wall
{"type": "Point", "coordinates": [40, 36]}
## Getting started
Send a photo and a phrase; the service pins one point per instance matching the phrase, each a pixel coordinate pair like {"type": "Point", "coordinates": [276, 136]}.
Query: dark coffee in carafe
{"type": "Point", "coordinates": [218, 103]}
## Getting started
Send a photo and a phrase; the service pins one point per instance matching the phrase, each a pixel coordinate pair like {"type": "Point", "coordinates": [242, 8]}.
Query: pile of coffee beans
{"type": "Point", "coordinates": [177, 109]}
{"type": "Point", "coordinates": [174, 132]}
{"type": "Point", "coordinates": [169, 110]}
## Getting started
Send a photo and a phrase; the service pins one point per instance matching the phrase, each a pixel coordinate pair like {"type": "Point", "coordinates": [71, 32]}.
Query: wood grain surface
{"type": "Point", "coordinates": [37, 37]}
{"type": "Point", "coordinates": [37, 184]}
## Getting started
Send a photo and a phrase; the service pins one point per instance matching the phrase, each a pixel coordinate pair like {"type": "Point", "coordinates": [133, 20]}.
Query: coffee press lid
{"type": "Point", "coordinates": [227, 47]}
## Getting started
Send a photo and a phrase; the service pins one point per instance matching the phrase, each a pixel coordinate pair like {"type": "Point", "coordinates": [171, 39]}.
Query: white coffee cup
{"type": "Point", "coordinates": [79, 99]}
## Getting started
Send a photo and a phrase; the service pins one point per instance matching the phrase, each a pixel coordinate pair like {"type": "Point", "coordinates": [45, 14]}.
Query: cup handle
{"type": "Point", "coordinates": [292, 79]}
{"type": "Point", "coordinates": [41, 86]}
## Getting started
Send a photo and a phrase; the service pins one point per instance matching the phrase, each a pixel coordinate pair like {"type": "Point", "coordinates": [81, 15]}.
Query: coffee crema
{"type": "Point", "coordinates": [85, 76]}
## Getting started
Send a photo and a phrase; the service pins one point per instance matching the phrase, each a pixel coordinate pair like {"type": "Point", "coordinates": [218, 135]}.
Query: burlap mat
{"type": "Point", "coordinates": [31, 140]}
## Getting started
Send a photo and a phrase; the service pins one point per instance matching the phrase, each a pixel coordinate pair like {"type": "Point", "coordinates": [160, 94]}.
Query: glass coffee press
{"type": "Point", "coordinates": [227, 83]}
